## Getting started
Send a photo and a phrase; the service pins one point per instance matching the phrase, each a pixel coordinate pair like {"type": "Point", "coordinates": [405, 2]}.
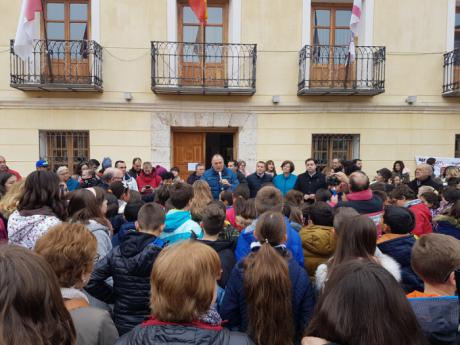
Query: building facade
{"type": "Point", "coordinates": [264, 80]}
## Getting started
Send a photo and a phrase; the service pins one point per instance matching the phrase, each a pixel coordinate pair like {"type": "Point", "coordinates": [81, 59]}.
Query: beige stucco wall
{"type": "Point", "coordinates": [414, 32]}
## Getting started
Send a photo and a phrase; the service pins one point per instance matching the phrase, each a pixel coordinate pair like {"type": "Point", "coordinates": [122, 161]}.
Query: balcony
{"type": "Point", "coordinates": [325, 70]}
{"type": "Point", "coordinates": [58, 65]}
{"type": "Point", "coordinates": [203, 68]}
{"type": "Point", "coordinates": [451, 83]}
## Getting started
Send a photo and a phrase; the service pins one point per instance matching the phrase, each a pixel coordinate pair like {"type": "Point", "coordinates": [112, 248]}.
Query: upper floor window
{"type": "Point", "coordinates": [67, 19]}
{"type": "Point", "coordinates": [326, 147]}
{"type": "Point", "coordinates": [331, 24]}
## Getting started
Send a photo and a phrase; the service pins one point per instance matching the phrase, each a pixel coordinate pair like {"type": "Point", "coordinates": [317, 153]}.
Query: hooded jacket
{"type": "Point", "coordinates": [386, 261]}
{"type": "Point", "coordinates": [179, 227]}
{"type": "Point", "coordinates": [400, 248]}
{"type": "Point", "coordinates": [153, 332]}
{"type": "Point", "coordinates": [422, 215]}
{"type": "Point", "coordinates": [27, 226]}
{"type": "Point", "coordinates": [130, 265]}
{"type": "Point", "coordinates": [153, 180]}
{"type": "Point", "coordinates": [438, 318]}
{"type": "Point", "coordinates": [318, 245]}
{"type": "Point", "coordinates": [447, 225]}
{"type": "Point", "coordinates": [234, 306]}
{"type": "Point", "coordinates": [227, 258]}
{"type": "Point", "coordinates": [102, 234]}
{"type": "Point", "coordinates": [293, 243]}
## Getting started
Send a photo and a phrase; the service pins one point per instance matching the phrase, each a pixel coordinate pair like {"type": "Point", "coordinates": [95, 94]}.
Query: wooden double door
{"type": "Point", "coordinates": [190, 148]}
{"type": "Point", "coordinates": [331, 37]}
{"type": "Point", "coordinates": [202, 50]}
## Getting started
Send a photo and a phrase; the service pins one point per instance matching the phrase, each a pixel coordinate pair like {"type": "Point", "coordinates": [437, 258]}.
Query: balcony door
{"type": "Point", "coordinates": [331, 37]}
{"type": "Point", "coordinates": [203, 63]}
{"type": "Point", "coordinates": [67, 31]}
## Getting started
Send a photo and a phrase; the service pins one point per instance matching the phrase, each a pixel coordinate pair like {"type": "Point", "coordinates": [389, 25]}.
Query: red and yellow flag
{"type": "Point", "coordinates": [200, 8]}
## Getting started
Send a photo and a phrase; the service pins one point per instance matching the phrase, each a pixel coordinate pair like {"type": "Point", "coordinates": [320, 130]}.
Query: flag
{"type": "Point", "coordinates": [200, 8]}
{"type": "Point", "coordinates": [27, 29]}
{"type": "Point", "coordinates": [354, 22]}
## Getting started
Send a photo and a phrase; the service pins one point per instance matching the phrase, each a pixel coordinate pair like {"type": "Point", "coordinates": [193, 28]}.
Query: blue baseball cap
{"type": "Point", "coordinates": [42, 163]}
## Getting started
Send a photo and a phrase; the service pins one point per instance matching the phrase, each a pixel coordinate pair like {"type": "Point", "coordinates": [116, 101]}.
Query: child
{"type": "Point", "coordinates": [130, 214]}
{"type": "Point", "coordinates": [431, 200]}
{"type": "Point", "coordinates": [213, 224]}
{"type": "Point", "coordinates": [269, 294]}
{"type": "Point", "coordinates": [318, 237]}
{"type": "Point", "coordinates": [227, 198]}
{"type": "Point", "coordinates": [179, 225]}
{"type": "Point", "coordinates": [398, 241]}
{"type": "Point", "coordinates": [130, 265]}
{"type": "Point", "coordinates": [435, 258]}
{"type": "Point", "coordinates": [406, 197]}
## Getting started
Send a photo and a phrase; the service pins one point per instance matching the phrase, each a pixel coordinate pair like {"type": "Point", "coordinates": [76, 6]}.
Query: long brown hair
{"type": "Point", "coordinates": [84, 205]}
{"type": "Point", "coordinates": [32, 308]}
{"type": "Point", "coordinates": [363, 304]}
{"type": "Point", "coordinates": [201, 197]}
{"type": "Point", "coordinates": [356, 239]}
{"type": "Point", "coordinates": [268, 286]}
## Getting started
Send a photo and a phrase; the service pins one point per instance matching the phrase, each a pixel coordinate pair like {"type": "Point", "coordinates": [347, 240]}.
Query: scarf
{"type": "Point", "coordinates": [412, 203]}
{"type": "Point", "coordinates": [72, 293]}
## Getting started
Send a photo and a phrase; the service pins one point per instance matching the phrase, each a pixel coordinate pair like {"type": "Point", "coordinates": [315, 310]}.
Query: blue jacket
{"type": "Point", "coordinates": [234, 307]}
{"type": "Point", "coordinates": [118, 237]}
{"type": "Point", "coordinates": [400, 249]}
{"type": "Point", "coordinates": [438, 318]}
{"type": "Point", "coordinates": [284, 184]}
{"type": "Point", "coordinates": [293, 243]}
{"type": "Point", "coordinates": [130, 265]}
{"type": "Point", "coordinates": [179, 226]}
{"type": "Point", "coordinates": [255, 182]}
{"type": "Point", "coordinates": [212, 178]}
{"type": "Point", "coordinates": [447, 225]}
{"type": "Point", "coordinates": [72, 184]}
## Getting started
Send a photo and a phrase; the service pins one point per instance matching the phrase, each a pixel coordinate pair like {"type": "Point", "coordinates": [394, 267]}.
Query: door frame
{"type": "Point", "coordinates": [205, 130]}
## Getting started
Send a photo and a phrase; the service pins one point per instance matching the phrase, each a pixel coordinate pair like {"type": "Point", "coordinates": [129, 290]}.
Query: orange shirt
{"type": "Point", "coordinates": [418, 294]}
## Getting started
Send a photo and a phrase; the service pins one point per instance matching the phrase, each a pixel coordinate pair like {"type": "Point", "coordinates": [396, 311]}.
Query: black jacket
{"type": "Point", "coordinates": [241, 178]}
{"type": "Point", "coordinates": [176, 334]}
{"type": "Point", "coordinates": [130, 265]}
{"type": "Point", "coordinates": [415, 184]}
{"type": "Point", "coordinates": [227, 258]}
{"type": "Point", "coordinates": [310, 184]}
{"type": "Point", "coordinates": [192, 178]}
{"type": "Point", "coordinates": [255, 182]}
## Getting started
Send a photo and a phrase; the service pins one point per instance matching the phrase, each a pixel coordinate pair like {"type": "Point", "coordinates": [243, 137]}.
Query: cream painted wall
{"type": "Point", "coordinates": [414, 32]}
{"type": "Point", "coordinates": [384, 138]}
{"type": "Point", "coordinates": [117, 134]}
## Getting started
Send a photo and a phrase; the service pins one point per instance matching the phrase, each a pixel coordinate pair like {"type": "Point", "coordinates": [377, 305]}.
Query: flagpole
{"type": "Point", "coordinates": [46, 42]}
{"type": "Point", "coordinates": [204, 55]}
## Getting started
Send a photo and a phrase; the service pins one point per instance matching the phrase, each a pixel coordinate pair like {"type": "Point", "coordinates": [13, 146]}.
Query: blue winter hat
{"type": "Point", "coordinates": [42, 163]}
{"type": "Point", "coordinates": [106, 162]}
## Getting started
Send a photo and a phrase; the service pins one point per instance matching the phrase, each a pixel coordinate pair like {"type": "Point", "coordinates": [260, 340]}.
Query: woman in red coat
{"type": "Point", "coordinates": [148, 180]}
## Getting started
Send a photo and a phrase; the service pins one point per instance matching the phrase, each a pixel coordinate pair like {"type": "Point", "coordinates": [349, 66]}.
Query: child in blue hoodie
{"type": "Point", "coordinates": [269, 199]}
{"type": "Point", "coordinates": [179, 225]}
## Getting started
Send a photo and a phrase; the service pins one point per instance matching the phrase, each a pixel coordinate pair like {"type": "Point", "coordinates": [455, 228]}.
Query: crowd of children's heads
{"type": "Point", "coordinates": [362, 275]}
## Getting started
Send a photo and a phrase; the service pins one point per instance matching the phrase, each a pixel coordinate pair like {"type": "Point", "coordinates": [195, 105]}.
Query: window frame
{"type": "Point", "coordinates": [333, 7]}
{"type": "Point", "coordinates": [354, 141]}
{"type": "Point", "coordinates": [47, 139]}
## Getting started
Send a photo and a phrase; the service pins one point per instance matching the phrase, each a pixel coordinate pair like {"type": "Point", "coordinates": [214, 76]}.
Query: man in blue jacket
{"type": "Point", "coordinates": [219, 177]}
{"type": "Point", "coordinates": [269, 199]}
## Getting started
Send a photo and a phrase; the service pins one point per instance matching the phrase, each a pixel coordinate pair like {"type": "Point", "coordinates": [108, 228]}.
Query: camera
{"type": "Point", "coordinates": [332, 181]}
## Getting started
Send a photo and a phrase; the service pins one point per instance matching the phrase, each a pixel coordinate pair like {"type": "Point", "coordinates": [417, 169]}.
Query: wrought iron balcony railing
{"type": "Point", "coordinates": [58, 65]}
{"type": "Point", "coordinates": [203, 68]}
{"type": "Point", "coordinates": [451, 83]}
{"type": "Point", "coordinates": [326, 70]}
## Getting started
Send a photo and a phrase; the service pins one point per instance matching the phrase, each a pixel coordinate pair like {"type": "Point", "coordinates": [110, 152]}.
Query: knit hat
{"type": "Point", "coordinates": [401, 220]}
{"type": "Point", "coordinates": [106, 162]}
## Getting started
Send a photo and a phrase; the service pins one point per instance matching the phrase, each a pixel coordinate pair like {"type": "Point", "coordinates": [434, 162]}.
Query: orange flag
{"type": "Point", "coordinates": [200, 8]}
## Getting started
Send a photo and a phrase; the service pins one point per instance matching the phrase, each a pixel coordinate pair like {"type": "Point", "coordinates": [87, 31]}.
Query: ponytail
{"type": "Point", "coordinates": [268, 295]}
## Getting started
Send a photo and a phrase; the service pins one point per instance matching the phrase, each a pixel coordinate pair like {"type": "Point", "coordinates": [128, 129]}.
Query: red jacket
{"type": "Point", "coordinates": [423, 217]}
{"type": "Point", "coordinates": [15, 173]}
{"type": "Point", "coordinates": [153, 180]}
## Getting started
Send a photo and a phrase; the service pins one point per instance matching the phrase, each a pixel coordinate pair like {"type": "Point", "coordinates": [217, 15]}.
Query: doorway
{"type": "Point", "coordinates": [193, 147]}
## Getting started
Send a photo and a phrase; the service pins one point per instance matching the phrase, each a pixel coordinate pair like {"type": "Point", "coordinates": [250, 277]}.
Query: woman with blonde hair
{"type": "Point", "coordinates": [71, 250]}
{"type": "Point", "coordinates": [201, 197]}
{"type": "Point", "coordinates": [184, 287]}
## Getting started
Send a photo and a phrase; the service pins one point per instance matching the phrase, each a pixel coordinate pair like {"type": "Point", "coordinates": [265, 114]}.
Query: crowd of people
{"type": "Point", "coordinates": [105, 255]}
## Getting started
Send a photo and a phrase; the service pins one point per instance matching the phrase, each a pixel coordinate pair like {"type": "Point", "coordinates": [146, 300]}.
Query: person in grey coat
{"type": "Point", "coordinates": [71, 250]}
